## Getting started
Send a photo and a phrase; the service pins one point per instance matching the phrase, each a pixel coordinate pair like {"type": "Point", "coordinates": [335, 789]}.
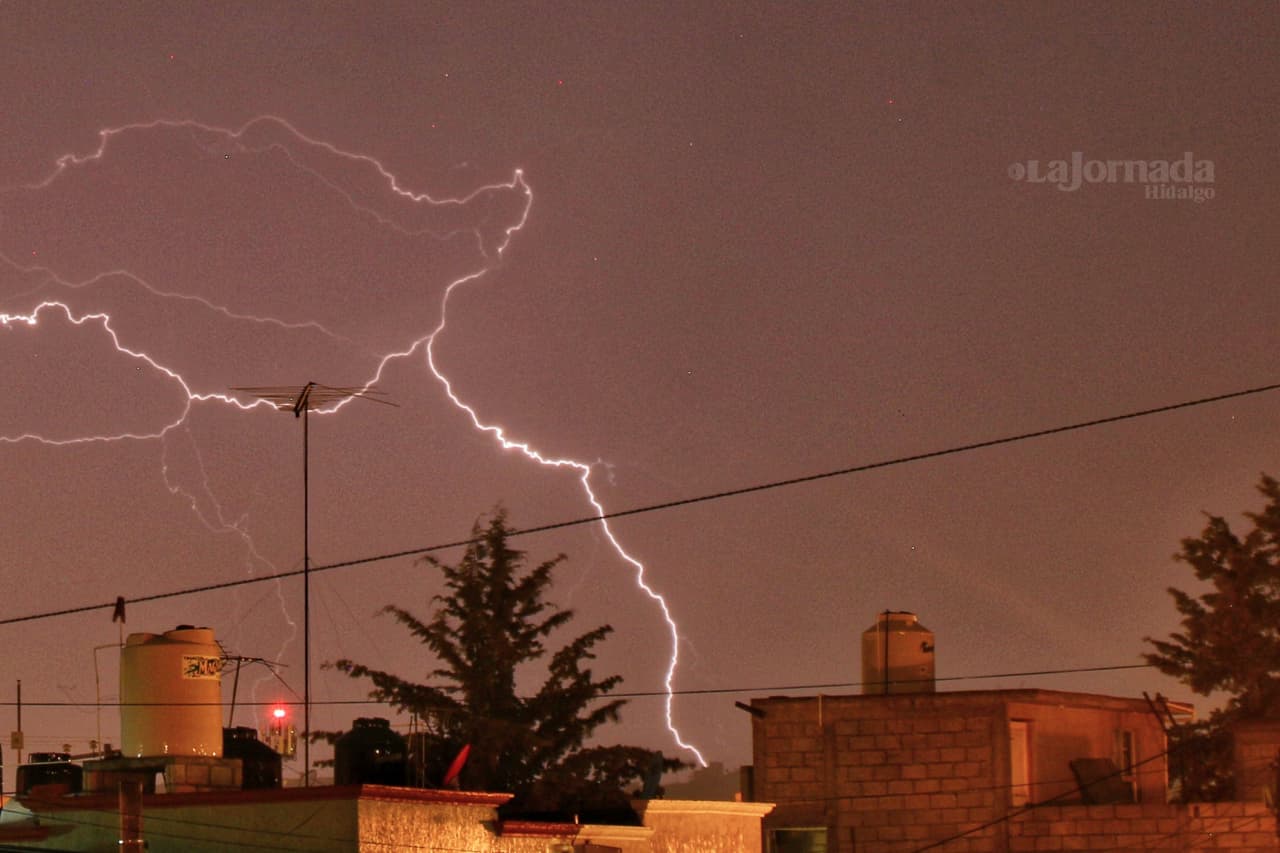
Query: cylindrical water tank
{"type": "Point", "coordinates": [897, 655]}
{"type": "Point", "coordinates": [171, 694]}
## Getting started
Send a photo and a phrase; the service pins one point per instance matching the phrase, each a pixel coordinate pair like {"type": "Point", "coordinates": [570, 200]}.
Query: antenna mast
{"type": "Point", "coordinates": [301, 401]}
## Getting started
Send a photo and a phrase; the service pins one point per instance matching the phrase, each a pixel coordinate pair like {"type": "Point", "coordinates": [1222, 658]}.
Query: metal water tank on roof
{"type": "Point", "coordinates": [261, 764]}
{"type": "Point", "coordinates": [370, 754]}
{"type": "Point", "coordinates": [49, 768]}
{"type": "Point", "coordinates": [897, 655]}
{"type": "Point", "coordinates": [171, 694]}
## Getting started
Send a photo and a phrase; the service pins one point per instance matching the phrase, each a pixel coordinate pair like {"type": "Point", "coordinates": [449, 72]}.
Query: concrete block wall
{"type": "Point", "coordinates": [182, 773]}
{"type": "Point", "coordinates": [885, 774]}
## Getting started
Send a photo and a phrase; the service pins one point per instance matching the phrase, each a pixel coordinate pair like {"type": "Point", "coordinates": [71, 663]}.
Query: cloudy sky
{"type": "Point", "coordinates": [688, 247]}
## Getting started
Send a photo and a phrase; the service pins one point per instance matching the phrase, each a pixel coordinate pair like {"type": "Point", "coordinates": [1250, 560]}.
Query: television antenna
{"type": "Point", "coordinates": [302, 401]}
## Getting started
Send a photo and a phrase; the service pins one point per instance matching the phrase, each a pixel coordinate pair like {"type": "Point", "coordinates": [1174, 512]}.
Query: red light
{"type": "Point", "coordinates": [278, 713]}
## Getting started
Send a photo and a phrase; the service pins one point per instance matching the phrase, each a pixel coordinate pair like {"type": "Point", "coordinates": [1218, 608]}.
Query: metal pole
{"type": "Point", "coordinates": [306, 604]}
{"type": "Point", "coordinates": [20, 744]}
{"type": "Point", "coordinates": [97, 689]}
{"type": "Point", "coordinates": [235, 687]}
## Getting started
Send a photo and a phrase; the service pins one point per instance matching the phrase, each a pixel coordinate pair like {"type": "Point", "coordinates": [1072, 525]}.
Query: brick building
{"type": "Point", "coordinates": [880, 773]}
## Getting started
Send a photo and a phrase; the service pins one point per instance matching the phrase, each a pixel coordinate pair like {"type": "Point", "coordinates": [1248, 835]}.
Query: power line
{"type": "Point", "coordinates": [639, 694]}
{"type": "Point", "coordinates": [845, 684]}
{"type": "Point", "coordinates": [729, 493]}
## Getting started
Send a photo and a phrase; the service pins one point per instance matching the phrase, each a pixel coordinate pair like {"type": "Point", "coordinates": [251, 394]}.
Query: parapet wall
{"type": "Point", "coordinates": [1243, 827]}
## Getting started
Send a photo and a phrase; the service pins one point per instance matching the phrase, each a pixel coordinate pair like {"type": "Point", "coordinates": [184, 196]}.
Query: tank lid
{"type": "Point", "coordinates": [240, 733]}
{"type": "Point", "coordinates": [896, 617]}
{"type": "Point", "coordinates": [190, 634]}
{"type": "Point", "coordinates": [371, 723]}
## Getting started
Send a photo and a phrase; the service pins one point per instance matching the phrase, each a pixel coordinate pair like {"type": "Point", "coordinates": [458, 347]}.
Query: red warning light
{"type": "Point", "coordinates": [280, 734]}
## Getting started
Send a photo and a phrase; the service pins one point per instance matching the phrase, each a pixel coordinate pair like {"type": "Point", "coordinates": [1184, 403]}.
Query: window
{"type": "Point", "coordinates": [1125, 758]}
{"type": "Point", "coordinates": [798, 839]}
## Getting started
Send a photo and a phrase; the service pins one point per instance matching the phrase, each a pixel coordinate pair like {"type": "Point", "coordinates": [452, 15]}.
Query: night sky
{"type": "Point", "coordinates": [702, 246]}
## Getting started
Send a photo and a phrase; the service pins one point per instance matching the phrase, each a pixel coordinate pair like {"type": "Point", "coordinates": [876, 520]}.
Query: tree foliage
{"type": "Point", "coordinates": [1200, 759]}
{"type": "Point", "coordinates": [1229, 640]}
{"type": "Point", "coordinates": [492, 621]}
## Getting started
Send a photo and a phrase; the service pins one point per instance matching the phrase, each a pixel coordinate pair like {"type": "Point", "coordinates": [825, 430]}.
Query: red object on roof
{"type": "Point", "coordinates": [456, 767]}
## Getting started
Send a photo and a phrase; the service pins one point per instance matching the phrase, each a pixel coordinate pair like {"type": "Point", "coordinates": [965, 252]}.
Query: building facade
{"type": "Point", "coordinates": [888, 773]}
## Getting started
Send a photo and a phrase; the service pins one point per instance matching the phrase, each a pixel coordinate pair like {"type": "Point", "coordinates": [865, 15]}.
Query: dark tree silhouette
{"type": "Point", "coordinates": [1229, 642]}
{"type": "Point", "coordinates": [491, 621]}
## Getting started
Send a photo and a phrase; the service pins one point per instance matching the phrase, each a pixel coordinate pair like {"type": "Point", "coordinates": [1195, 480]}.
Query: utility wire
{"type": "Point", "coordinates": [761, 487]}
{"type": "Point", "coordinates": [66, 703]}
{"type": "Point", "coordinates": [878, 681]}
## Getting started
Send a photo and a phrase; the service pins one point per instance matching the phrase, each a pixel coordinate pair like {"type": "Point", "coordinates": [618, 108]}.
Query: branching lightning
{"type": "Point", "coordinates": [32, 318]}
{"type": "Point", "coordinates": [320, 160]}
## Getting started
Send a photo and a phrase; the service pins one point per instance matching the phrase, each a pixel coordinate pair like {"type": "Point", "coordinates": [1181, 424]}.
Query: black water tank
{"type": "Point", "coordinates": [49, 768]}
{"type": "Point", "coordinates": [370, 754]}
{"type": "Point", "coordinates": [261, 763]}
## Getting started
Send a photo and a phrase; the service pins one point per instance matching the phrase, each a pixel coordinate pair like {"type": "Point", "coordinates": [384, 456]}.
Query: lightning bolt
{"type": "Point", "coordinates": [584, 477]}
{"type": "Point", "coordinates": [322, 161]}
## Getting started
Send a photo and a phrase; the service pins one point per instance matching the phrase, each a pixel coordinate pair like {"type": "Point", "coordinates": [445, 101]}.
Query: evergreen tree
{"type": "Point", "coordinates": [490, 622]}
{"type": "Point", "coordinates": [1229, 642]}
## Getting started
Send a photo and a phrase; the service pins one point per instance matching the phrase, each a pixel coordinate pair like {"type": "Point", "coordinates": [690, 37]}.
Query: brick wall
{"type": "Point", "coordinates": [1242, 827]}
{"type": "Point", "coordinates": [1256, 746]}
